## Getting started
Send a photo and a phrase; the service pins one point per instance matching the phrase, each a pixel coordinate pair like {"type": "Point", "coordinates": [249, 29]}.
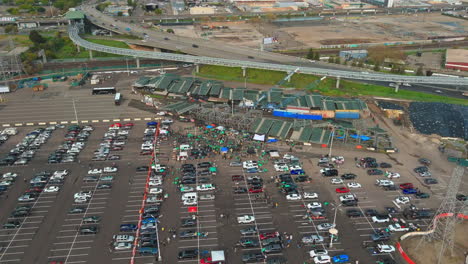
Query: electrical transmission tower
{"type": "Point", "coordinates": [450, 207]}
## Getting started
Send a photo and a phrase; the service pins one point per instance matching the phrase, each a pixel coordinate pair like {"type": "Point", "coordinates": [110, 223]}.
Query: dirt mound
{"type": "Point", "coordinates": [424, 252]}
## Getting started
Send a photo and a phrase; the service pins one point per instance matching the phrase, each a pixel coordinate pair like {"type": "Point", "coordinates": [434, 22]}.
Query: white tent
{"type": "Point", "coordinates": [217, 255]}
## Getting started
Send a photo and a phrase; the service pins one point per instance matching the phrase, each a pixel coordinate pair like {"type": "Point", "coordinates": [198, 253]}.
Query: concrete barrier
{"type": "Point", "coordinates": [5, 125]}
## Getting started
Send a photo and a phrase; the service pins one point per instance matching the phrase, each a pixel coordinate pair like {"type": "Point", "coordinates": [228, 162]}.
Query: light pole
{"type": "Point", "coordinates": [157, 237]}
{"type": "Point", "coordinates": [333, 231]}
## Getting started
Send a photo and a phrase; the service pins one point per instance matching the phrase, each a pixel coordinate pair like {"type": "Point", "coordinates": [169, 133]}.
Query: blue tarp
{"type": "Point", "coordinates": [152, 123]}
{"type": "Point", "coordinates": [362, 137]}
{"type": "Point", "coordinates": [272, 140]}
{"type": "Point", "coordinates": [224, 149]}
{"type": "Point", "coordinates": [209, 126]}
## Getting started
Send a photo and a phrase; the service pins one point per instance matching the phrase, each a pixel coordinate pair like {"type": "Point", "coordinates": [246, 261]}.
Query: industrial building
{"type": "Point", "coordinates": [456, 59]}
{"type": "Point", "coordinates": [115, 10]}
{"type": "Point", "coordinates": [353, 54]}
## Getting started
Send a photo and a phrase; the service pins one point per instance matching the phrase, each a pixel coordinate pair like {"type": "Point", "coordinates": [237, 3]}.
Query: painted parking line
{"type": "Point", "coordinates": [64, 243]}
{"type": "Point", "coordinates": [62, 249]}
{"type": "Point", "coordinates": [75, 255]}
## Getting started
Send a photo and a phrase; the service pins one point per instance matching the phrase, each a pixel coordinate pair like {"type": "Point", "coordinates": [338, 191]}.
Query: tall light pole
{"type": "Point", "coordinates": [333, 231]}
{"type": "Point", "coordinates": [157, 237]}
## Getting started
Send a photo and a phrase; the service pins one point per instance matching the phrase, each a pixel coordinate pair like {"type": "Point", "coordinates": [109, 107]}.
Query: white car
{"type": "Point", "coordinates": [157, 182]}
{"type": "Point", "coordinates": [295, 167]}
{"type": "Point", "coordinates": [26, 198]}
{"type": "Point", "coordinates": [9, 175]}
{"type": "Point", "coordinates": [111, 169]}
{"type": "Point", "coordinates": [314, 205]}
{"type": "Point", "coordinates": [82, 194]}
{"type": "Point", "coordinates": [392, 175]}
{"type": "Point", "coordinates": [148, 226]}
{"type": "Point", "coordinates": [246, 219]}
{"type": "Point", "coordinates": [385, 248]}
{"type": "Point", "coordinates": [281, 167]}
{"type": "Point", "coordinates": [336, 181]}
{"type": "Point", "coordinates": [155, 190]}
{"type": "Point", "coordinates": [123, 132]}
{"type": "Point", "coordinates": [322, 259]}
{"type": "Point", "coordinates": [186, 189]}
{"type": "Point", "coordinates": [95, 171]}
{"type": "Point", "coordinates": [6, 183]}
{"type": "Point", "coordinates": [61, 173]}
{"type": "Point", "coordinates": [190, 202]}
{"type": "Point", "coordinates": [347, 197]}
{"type": "Point", "coordinates": [162, 113]}
{"type": "Point", "coordinates": [288, 156]}
{"type": "Point", "coordinates": [122, 246]}
{"type": "Point", "coordinates": [325, 226]}
{"type": "Point", "coordinates": [207, 196]}
{"type": "Point", "coordinates": [325, 169]}
{"type": "Point", "coordinates": [380, 219]}
{"type": "Point", "coordinates": [152, 199]}
{"type": "Point", "coordinates": [384, 182]}
{"type": "Point", "coordinates": [402, 200]}
{"type": "Point", "coordinates": [52, 189]}
{"type": "Point", "coordinates": [310, 195]}
{"type": "Point", "coordinates": [205, 187]}
{"type": "Point", "coordinates": [249, 165]}
{"type": "Point", "coordinates": [338, 159]}
{"type": "Point", "coordinates": [293, 196]}
{"type": "Point", "coordinates": [398, 228]}
{"type": "Point", "coordinates": [81, 200]}
{"type": "Point", "coordinates": [123, 238]}
{"type": "Point", "coordinates": [318, 252]}
{"type": "Point", "coordinates": [354, 185]}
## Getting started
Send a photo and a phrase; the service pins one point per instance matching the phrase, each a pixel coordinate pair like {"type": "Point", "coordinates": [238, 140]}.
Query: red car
{"type": "Point", "coordinates": [146, 152]}
{"type": "Point", "coordinates": [34, 189]}
{"type": "Point", "coordinates": [116, 148]}
{"type": "Point", "coordinates": [237, 177]}
{"type": "Point", "coordinates": [129, 124]}
{"type": "Point", "coordinates": [407, 185]}
{"type": "Point", "coordinates": [342, 190]}
{"type": "Point", "coordinates": [255, 190]}
{"type": "Point", "coordinates": [269, 235]}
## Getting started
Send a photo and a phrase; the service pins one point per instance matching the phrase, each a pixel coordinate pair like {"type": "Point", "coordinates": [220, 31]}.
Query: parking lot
{"type": "Point", "coordinates": [53, 228]}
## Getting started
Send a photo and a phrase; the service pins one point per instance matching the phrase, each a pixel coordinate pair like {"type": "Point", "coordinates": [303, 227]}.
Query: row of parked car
{"type": "Point", "coordinates": [6, 133]}
{"type": "Point", "coordinates": [6, 181]}
{"type": "Point", "coordinates": [74, 142]}
{"type": "Point", "coordinates": [24, 151]}
{"type": "Point", "coordinates": [114, 140]}
{"type": "Point", "coordinates": [40, 182]}
{"type": "Point", "coordinates": [148, 243]}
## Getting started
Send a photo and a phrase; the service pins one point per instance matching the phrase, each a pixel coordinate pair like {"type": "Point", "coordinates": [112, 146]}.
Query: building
{"type": "Point", "coordinates": [202, 10]}
{"type": "Point", "coordinates": [353, 54]}
{"type": "Point", "coordinates": [456, 59]}
{"type": "Point", "coordinates": [115, 10]}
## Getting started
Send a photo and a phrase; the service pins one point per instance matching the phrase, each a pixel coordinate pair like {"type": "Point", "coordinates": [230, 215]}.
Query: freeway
{"type": "Point", "coordinates": [74, 36]}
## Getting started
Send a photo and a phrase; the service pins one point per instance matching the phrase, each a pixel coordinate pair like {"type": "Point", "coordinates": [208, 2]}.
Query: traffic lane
{"type": "Point", "coordinates": [446, 90]}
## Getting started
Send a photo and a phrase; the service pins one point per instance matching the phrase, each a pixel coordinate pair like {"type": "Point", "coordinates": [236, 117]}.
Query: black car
{"type": "Point", "coordinates": [385, 165]}
{"type": "Point", "coordinates": [354, 213]}
{"type": "Point", "coordinates": [204, 180]}
{"type": "Point", "coordinates": [148, 237]}
{"type": "Point", "coordinates": [273, 248]}
{"type": "Point", "coordinates": [104, 186]}
{"type": "Point", "coordinates": [330, 173]}
{"type": "Point", "coordinates": [12, 224]}
{"type": "Point", "coordinates": [189, 222]}
{"type": "Point", "coordinates": [461, 197]}
{"type": "Point", "coordinates": [348, 176]}
{"type": "Point", "coordinates": [77, 210]}
{"type": "Point", "coordinates": [380, 236]}
{"type": "Point", "coordinates": [188, 254]}
{"type": "Point", "coordinates": [20, 213]}
{"type": "Point", "coordinates": [88, 230]}
{"type": "Point", "coordinates": [424, 161]}
{"type": "Point", "coordinates": [421, 169]}
{"type": "Point", "coordinates": [149, 243]}
{"type": "Point", "coordinates": [371, 212]}
{"type": "Point", "coordinates": [251, 230]}
{"type": "Point", "coordinates": [204, 165]}
{"type": "Point", "coordinates": [391, 210]}
{"type": "Point", "coordinates": [142, 168]}
{"type": "Point", "coordinates": [422, 195]}
{"type": "Point", "coordinates": [239, 190]}
{"type": "Point", "coordinates": [253, 257]}
{"type": "Point", "coordinates": [188, 234]}
{"type": "Point", "coordinates": [430, 181]}
{"type": "Point", "coordinates": [188, 181]}
{"type": "Point", "coordinates": [349, 203]}
{"type": "Point", "coordinates": [248, 242]}
{"type": "Point", "coordinates": [390, 188]}
{"type": "Point", "coordinates": [302, 178]}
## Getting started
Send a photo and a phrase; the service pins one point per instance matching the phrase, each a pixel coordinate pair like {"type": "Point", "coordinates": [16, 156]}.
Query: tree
{"type": "Point", "coordinates": [40, 9]}
{"type": "Point", "coordinates": [317, 56]}
{"type": "Point", "coordinates": [13, 11]}
{"type": "Point", "coordinates": [360, 64]}
{"type": "Point", "coordinates": [377, 66]}
{"type": "Point", "coordinates": [11, 29]}
{"type": "Point", "coordinates": [170, 30]}
{"type": "Point", "coordinates": [420, 72]}
{"type": "Point", "coordinates": [331, 59]}
{"type": "Point", "coordinates": [158, 11]}
{"type": "Point", "coordinates": [120, 13]}
{"type": "Point", "coordinates": [129, 2]}
{"type": "Point", "coordinates": [337, 60]}
{"type": "Point", "coordinates": [380, 53]}
{"type": "Point", "coordinates": [310, 54]}
{"type": "Point", "coordinates": [354, 64]}
{"type": "Point", "coordinates": [36, 38]}
{"type": "Point", "coordinates": [270, 17]}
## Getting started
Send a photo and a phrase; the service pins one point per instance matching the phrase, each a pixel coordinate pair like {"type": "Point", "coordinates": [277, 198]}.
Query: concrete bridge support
{"type": "Point", "coordinates": [338, 82]}
{"type": "Point", "coordinates": [137, 62]}
{"type": "Point", "coordinates": [244, 71]}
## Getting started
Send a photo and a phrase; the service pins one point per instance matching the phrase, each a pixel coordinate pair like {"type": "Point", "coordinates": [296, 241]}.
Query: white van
{"type": "Point", "coordinates": [190, 195]}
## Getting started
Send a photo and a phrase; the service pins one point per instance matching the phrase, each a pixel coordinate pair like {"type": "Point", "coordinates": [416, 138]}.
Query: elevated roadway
{"type": "Point", "coordinates": [74, 36]}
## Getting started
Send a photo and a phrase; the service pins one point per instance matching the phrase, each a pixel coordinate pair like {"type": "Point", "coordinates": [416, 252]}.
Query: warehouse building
{"type": "Point", "coordinates": [353, 54]}
{"type": "Point", "coordinates": [457, 59]}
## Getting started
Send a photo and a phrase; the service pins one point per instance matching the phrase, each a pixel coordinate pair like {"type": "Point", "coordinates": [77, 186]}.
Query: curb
{"type": "Point", "coordinates": [79, 121]}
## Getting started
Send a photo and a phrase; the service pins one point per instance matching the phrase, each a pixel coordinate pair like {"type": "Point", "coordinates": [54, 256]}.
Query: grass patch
{"type": "Point", "coordinates": [326, 87]}
{"type": "Point", "coordinates": [19, 40]}
{"type": "Point", "coordinates": [414, 52]}
{"type": "Point", "coordinates": [69, 50]}
{"type": "Point", "coordinates": [110, 43]}
{"type": "Point", "coordinates": [158, 96]}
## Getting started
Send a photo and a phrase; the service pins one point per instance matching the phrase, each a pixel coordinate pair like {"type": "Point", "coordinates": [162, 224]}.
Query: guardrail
{"type": "Point", "coordinates": [74, 36]}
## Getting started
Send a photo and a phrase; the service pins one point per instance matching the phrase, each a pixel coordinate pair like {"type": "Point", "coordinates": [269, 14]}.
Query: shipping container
{"type": "Point", "coordinates": [296, 109]}
{"type": "Point", "coordinates": [296, 115]}
{"type": "Point", "coordinates": [346, 115]}
{"type": "Point", "coordinates": [323, 113]}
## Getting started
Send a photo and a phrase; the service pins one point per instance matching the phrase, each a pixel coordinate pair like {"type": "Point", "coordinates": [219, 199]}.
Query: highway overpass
{"type": "Point", "coordinates": [74, 36]}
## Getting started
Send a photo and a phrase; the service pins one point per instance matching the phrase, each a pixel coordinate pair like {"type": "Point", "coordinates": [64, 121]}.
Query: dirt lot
{"type": "Point", "coordinates": [429, 252]}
